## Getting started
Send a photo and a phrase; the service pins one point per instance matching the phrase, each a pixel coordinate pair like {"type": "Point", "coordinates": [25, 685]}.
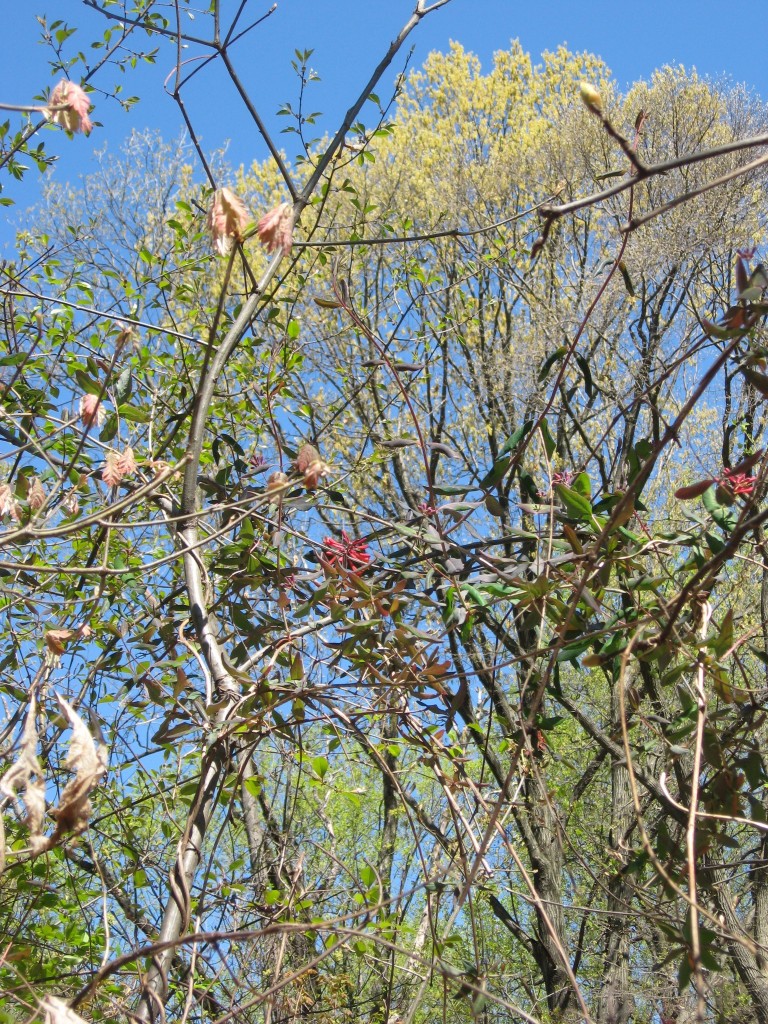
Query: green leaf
{"type": "Point", "coordinates": [610, 174]}
{"type": "Point", "coordinates": [550, 361]}
{"type": "Point", "coordinates": [546, 436]}
{"type": "Point", "coordinates": [252, 786]}
{"type": "Point", "coordinates": [496, 473]}
{"type": "Point", "coordinates": [684, 972]}
{"type": "Point", "coordinates": [576, 505]}
{"type": "Point", "coordinates": [367, 876]}
{"type": "Point", "coordinates": [123, 385]}
{"type": "Point", "coordinates": [109, 429]}
{"type": "Point", "coordinates": [725, 516]}
{"type": "Point", "coordinates": [589, 386]}
{"type": "Point", "coordinates": [714, 543]}
{"type": "Point", "coordinates": [494, 506]}
{"type": "Point", "coordinates": [626, 279]}
{"type": "Point", "coordinates": [759, 381]}
{"type": "Point", "coordinates": [516, 437]}
{"type": "Point", "coordinates": [135, 415]}
{"type": "Point", "coordinates": [583, 486]}
{"type": "Point", "coordinates": [87, 383]}
{"type": "Point", "coordinates": [450, 491]}
{"type": "Point", "coordinates": [724, 640]}
{"type": "Point", "coordinates": [572, 651]}
{"type": "Point", "coordinates": [469, 591]}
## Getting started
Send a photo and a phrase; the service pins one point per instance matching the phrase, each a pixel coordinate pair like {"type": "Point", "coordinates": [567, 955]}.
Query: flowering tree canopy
{"type": "Point", "coordinates": [385, 605]}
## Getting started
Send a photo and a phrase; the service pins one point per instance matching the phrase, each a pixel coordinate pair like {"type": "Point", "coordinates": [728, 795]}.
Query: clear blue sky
{"type": "Point", "coordinates": [348, 37]}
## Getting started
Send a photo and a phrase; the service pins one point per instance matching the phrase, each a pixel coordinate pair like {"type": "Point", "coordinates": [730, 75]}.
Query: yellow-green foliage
{"type": "Point", "coordinates": [477, 150]}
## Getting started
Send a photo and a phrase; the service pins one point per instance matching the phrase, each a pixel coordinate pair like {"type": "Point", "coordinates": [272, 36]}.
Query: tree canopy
{"type": "Point", "coordinates": [383, 574]}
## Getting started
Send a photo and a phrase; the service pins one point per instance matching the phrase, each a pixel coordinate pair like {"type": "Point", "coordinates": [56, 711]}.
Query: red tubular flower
{"type": "Point", "coordinates": [350, 555]}
{"type": "Point", "coordinates": [733, 482]}
{"type": "Point", "coordinates": [564, 477]}
{"type": "Point", "coordinates": [737, 483]}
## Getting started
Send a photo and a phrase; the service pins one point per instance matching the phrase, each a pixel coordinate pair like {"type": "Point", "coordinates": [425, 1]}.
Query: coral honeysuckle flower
{"type": "Point", "coordinates": [227, 220]}
{"type": "Point", "coordinates": [737, 483]}
{"type": "Point", "coordinates": [275, 229]}
{"type": "Point", "coordinates": [564, 477]}
{"type": "Point", "coordinates": [733, 482]}
{"type": "Point", "coordinates": [348, 554]}
{"type": "Point", "coordinates": [74, 103]}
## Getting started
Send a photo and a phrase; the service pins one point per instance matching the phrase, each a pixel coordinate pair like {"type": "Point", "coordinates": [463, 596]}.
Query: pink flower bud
{"type": "Point", "coordinates": [275, 229]}
{"type": "Point", "coordinates": [75, 106]}
{"type": "Point", "coordinates": [227, 219]}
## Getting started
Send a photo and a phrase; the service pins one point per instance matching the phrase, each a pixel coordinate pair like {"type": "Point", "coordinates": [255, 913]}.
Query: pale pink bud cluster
{"type": "Point", "coordinates": [74, 104]}
{"type": "Point", "coordinates": [36, 494]}
{"type": "Point", "coordinates": [92, 411]}
{"type": "Point", "coordinates": [227, 220]}
{"type": "Point", "coordinates": [275, 229]}
{"type": "Point", "coordinates": [118, 465]}
{"type": "Point", "coordinates": [8, 504]}
{"type": "Point", "coordinates": [311, 466]}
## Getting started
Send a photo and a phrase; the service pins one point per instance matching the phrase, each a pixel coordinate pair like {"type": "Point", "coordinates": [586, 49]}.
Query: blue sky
{"type": "Point", "coordinates": [348, 37]}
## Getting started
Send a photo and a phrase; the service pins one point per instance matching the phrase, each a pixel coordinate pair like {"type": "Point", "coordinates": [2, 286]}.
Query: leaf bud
{"type": "Point", "coordinates": [590, 97]}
